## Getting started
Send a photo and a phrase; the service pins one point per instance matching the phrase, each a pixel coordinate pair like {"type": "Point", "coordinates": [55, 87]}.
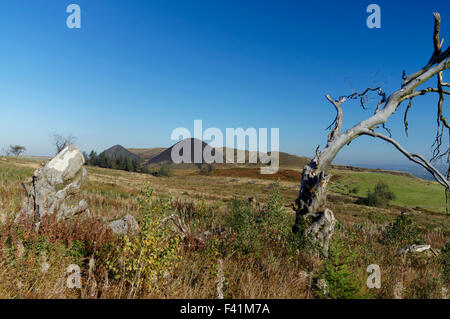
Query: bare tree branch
{"type": "Point", "coordinates": [60, 142]}
{"type": "Point", "coordinates": [380, 117]}
{"type": "Point", "coordinates": [311, 201]}
{"type": "Point", "coordinates": [437, 55]}
{"type": "Point", "coordinates": [339, 117]}
{"type": "Point", "coordinates": [424, 91]}
{"type": "Point", "coordinates": [362, 96]}
{"type": "Point", "coordinates": [416, 158]}
{"type": "Point", "coordinates": [405, 118]}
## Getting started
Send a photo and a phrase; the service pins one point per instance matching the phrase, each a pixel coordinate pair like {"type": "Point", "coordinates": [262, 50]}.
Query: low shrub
{"type": "Point", "coordinates": [340, 281]}
{"type": "Point", "coordinates": [207, 169]}
{"type": "Point", "coordinates": [165, 171]}
{"type": "Point", "coordinates": [403, 232]}
{"type": "Point", "coordinates": [380, 196]}
{"type": "Point", "coordinates": [144, 260]}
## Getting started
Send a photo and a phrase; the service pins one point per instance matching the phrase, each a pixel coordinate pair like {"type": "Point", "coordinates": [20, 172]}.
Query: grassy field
{"type": "Point", "coordinates": [409, 192]}
{"type": "Point", "coordinates": [251, 246]}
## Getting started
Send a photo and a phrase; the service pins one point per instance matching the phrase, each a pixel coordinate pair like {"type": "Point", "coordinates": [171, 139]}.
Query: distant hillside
{"type": "Point", "coordinates": [286, 160]}
{"type": "Point", "coordinates": [293, 161]}
{"type": "Point", "coordinates": [147, 153]}
{"type": "Point", "coordinates": [160, 155]}
{"type": "Point", "coordinates": [372, 170]}
{"type": "Point", "coordinates": [118, 151]}
{"type": "Point", "coordinates": [166, 155]}
{"type": "Point", "coordinates": [249, 156]}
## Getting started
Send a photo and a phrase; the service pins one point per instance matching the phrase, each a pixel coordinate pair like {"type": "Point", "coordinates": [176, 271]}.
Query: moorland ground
{"type": "Point", "coordinates": [251, 249]}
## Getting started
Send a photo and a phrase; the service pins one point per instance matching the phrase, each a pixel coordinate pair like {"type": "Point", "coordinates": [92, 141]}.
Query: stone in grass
{"type": "Point", "coordinates": [126, 225]}
{"type": "Point", "coordinates": [418, 249]}
{"type": "Point", "coordinates": [50, 187]}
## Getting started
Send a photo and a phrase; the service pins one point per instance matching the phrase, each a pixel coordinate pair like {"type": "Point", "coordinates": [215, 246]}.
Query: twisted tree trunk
{"type": "Point", "coordinates": [313, 218]}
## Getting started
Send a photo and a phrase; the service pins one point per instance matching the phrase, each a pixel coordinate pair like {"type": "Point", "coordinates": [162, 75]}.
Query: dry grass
{"type": "Point", "coordinates": [262, 264]}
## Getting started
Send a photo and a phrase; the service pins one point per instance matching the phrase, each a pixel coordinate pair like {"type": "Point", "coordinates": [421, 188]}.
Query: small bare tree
{"type": "Point", "coordinates": [60, 142]}
{"type": "Point", "coordinates": [16, 150]}
{"type": "Point", "coordinates": [313, 218]}
{"type": "Point", "coordinates": [6, 152]}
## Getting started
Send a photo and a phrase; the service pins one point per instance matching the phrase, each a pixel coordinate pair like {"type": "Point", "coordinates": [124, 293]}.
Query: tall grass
{"type": "Point", "coordinates": [250, 251]}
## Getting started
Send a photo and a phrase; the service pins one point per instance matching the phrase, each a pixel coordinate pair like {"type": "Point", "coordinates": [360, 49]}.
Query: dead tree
{"type": "Point", "coordinates": [60, 142]}
{"type": "Point", "coordinates": [316, 221]}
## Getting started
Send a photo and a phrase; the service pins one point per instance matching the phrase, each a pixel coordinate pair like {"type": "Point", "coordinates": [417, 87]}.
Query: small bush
{"type": "Point", "coordinates": [207, 169]}
{"type": "Point", "coordinates": [256, 228]}
{"type": "Point", "coordinates": [380, 196]}
{"type": "Point", "coordinates": [145, 259]}
{"type": "Point", "coordinates": [402, 231]}
{"type": "Point", "coordinates": [341, 283]}
{"type": "Point", "coordinates": [445, 261]}
{"type": "Point", "coordinates": [165, 170]}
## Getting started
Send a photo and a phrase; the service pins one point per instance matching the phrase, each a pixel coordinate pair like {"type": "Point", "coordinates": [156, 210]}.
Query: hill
{"type": "Point", "coordinates": [166, 155]}
{"type": "Point", "coordinates": [293, 161]}
{"type": "Point", "coordinates": [159, 155]}
{"type": "Point", "coordinates": [147, 153]}
{"type": "Point", "coordinates": [117, 152]}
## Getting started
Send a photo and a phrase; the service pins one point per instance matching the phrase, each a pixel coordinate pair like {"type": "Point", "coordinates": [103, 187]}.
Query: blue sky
{"type": "Point", "coordinates": [136, 70]}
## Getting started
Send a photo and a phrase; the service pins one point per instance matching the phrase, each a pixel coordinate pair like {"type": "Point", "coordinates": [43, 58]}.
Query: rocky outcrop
{"type": "Point", "coordinates": [50, 187]}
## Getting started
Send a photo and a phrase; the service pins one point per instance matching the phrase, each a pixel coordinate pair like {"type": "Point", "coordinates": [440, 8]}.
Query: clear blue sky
{"type": "Point", "coordinates": [138, 69]}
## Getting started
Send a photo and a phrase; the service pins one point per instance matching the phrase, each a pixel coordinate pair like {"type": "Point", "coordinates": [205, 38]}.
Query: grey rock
{"type": "Point", "coordinates": [50, 187]}
{"type": "Point", "coordinates": [426, 249]}
{"type": "Point", "coordinates": [125, 225]}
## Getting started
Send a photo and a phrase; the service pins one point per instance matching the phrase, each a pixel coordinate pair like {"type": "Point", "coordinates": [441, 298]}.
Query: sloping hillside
{"type": "Point", "coordinates": [147, 153]}
{"type": "Point", "coordinates": [293, 161]}
{"type": "Point", "coordinates": [192, 144]}
{"type": "Point", "coordinates": [118, 151]}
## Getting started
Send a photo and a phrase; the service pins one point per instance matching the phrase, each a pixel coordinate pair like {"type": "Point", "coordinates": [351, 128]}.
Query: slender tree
{"type": "Point", "coordinates": [93, 158]}
{"type": "Point", "coordinates": [103, 160]}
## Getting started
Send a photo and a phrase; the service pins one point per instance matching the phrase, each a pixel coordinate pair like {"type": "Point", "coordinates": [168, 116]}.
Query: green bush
{"type": "Point", "coordinates": [243, 223]}
{"type": "Point", "coordinates": [256, 229]}
{"type": "Point", "coordinates": [77, 250]}
{"type": "Point", "coordinates": [143, 259]}
{"type": "Point", "coordinates": [165, 170]}
{"type": "Point", "coordinates": [341, 283]}
{"type": "Point", "coordinates": [380, 196]}
{"type": "Point", "coordinates": [207, 169]}
{"type": "Point", "coordinates": [402, 231]}
{"type": "Point", "coordinates": [445, 261]}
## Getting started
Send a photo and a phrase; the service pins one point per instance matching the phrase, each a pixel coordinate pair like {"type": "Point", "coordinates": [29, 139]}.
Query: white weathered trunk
{"type": "Point", "coordinates": [313, 218]}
